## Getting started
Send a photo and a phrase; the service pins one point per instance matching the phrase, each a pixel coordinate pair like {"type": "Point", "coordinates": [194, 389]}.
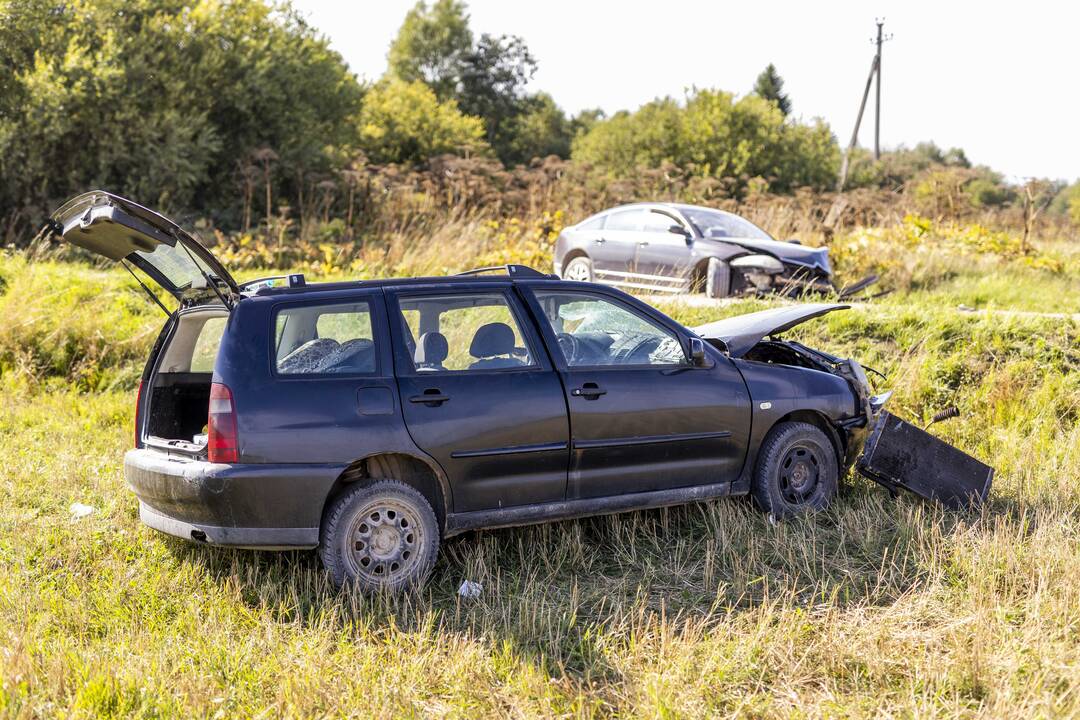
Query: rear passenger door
{"type": "Point", "coordinates": [330, 392]}
{"type": "Point", "coordinates": [613, 247]}
{"type": "Point", "coordinates": [480, 395]}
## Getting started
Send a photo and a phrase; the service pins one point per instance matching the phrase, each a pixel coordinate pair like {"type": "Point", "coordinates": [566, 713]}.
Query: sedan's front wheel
{"type": "Point", "coordinates": [382, 536]}
{"type": "Point", "coordinates": [796, 470]}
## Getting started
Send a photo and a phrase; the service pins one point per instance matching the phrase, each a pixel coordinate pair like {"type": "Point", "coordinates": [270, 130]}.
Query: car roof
{"type": "Point", "coordinates": [677, 207]}
{"type": "Point", "coordinates": [513, 273]}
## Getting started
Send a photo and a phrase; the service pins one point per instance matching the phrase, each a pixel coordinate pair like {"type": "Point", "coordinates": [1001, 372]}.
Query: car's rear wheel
{"type": "Point", "coordinates": [579, 269]}
{"type": "Point", "coordinates": [796, 471]}
{"type": "Point", "coordinates": [382, 536]}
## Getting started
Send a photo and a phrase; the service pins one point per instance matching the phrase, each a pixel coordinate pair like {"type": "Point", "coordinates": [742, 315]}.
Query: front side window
{"type": "Point", "coordinates": [595, 331]}
{"type": "Point", "coordinates": [463, 332]}
{"type": "Point", "coordinates": [659, 222]}
{"type": "Point", "coordinates": [325, 340]}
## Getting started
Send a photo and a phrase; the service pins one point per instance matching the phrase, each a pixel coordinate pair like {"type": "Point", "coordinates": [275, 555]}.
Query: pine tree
{"type": "Point", "coordinates": [770, 85]}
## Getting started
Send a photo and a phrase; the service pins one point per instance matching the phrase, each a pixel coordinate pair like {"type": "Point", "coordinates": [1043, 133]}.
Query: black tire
{"type": "Point", "coordinates": [580, 269]}
{"type": "Point", "coordinates": [797, 470]}
{"type": "Point", "coordinates": [717, 278]}
{"type": "Point", "coordinates": [382, 536]}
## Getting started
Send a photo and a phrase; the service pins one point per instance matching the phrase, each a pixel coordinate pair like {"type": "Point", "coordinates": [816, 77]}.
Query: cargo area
{"type": "Point", "coordinates": [178, 397]}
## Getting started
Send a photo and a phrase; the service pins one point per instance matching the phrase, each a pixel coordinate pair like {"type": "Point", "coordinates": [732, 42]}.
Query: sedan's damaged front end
{"type": "Point", "coordinates": [786, 376]}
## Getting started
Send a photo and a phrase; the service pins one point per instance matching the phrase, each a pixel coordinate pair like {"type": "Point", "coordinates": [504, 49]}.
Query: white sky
{"type": "Point", "coordinates": [996, 79]}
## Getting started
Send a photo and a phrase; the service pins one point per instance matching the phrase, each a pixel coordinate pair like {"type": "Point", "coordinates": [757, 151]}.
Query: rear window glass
{"type": "Point", "coordinates": [325, 340]}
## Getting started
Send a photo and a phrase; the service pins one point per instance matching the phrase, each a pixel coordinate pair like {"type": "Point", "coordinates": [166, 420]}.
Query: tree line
{"type": "Point", "coordinates": [241, 113]}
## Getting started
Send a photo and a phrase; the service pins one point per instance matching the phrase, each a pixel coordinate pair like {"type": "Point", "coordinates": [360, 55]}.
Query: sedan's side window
{"type": "Point", "coordinates": [624, 220]}
{"type": "Point", "coordinates": [465, 331]}
{"type": "Point", "coordinates": [596, 331]}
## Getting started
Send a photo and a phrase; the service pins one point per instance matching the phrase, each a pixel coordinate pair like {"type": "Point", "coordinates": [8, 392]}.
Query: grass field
{"type": "Point", "coordinates": [876, 607]}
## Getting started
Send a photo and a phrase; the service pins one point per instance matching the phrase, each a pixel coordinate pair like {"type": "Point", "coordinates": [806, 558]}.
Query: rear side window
{"type": "Point", "coordinates": [325, 340]}
{"type": "Point", "coordinates": [624, 220]}
{"type": "Point", "coordinates": [596, 222]}
{"type": "Point", "coordinates": [462, 332]}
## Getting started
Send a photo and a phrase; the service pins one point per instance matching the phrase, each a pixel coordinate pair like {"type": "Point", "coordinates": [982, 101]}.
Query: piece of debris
{"type": "Point", "coordinates": [470, 589]}
{"type": "Point", "coordinates": [79, 510]}
{"type": "Point", "coordinates": [899, 454]}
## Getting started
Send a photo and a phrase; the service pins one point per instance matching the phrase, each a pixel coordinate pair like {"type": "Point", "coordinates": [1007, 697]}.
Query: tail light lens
{"type": "Point", "coordinates": [222, 443]}
{"type": "Point", "coordinates": [138, 415]}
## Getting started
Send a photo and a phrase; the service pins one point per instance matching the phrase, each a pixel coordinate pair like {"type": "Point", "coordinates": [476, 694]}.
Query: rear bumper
{"type": "Point", "coordinates": [256, 505]}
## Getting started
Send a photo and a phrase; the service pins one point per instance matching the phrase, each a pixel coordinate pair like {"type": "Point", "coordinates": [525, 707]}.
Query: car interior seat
{"type": "Point", "coordinates": [493, 347]}
{"type": "Point", "coordinates": [431, 352]}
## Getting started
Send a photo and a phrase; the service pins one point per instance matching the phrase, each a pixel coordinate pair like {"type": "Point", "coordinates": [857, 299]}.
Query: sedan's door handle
{"type": "Point", "coordinates": [589, 391]}
{"type": "Point", "coordinates": [600, 241]}
{"type": "Point", "coordinates": [430, 397]}
{"type": "Point", "coordinates": [643, 243]}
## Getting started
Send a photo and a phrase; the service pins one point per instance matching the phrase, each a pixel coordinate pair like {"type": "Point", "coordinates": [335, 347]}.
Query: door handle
{"type": "Point", "coordinates": [589, 391]}
{"type": "Point", "coordinates": [430, 397]}
{"type": "Point", "coordinates": [600, 241]}
{"type": "Point", "coordinates": [643, 243]}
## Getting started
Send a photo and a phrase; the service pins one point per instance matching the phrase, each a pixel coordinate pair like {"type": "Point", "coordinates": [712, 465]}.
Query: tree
{"type": "Point", "coordinates": [770, 86]}
{"type": "Point", "coordinates": [493, 79]}
{"type": "Point", "coordinates": [714, 135]}
{"type": "Point", "coordinates": [432, 45]}
{"type": "Point", "coordinates": [539, 130]}
{"type": "Point", "coordinates": [165, 105]}
{"type": "Point", "coordinates": [404, 122]}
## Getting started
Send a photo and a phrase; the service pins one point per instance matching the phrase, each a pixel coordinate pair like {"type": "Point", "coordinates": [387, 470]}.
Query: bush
{"type": "Point", "coordinates": [715, 135]}
{"type": "Point", "coordinates": [403, 122]}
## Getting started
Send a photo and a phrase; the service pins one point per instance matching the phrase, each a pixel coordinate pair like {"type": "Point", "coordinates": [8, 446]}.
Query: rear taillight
{"type": "Point", "coordinates": [138, 415]}
{"type": "Point", "coordinates": [222, 443]}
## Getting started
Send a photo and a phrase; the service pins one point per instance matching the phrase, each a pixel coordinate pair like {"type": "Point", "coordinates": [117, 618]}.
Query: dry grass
{"type": "Point", "coordinates": [876, 607]}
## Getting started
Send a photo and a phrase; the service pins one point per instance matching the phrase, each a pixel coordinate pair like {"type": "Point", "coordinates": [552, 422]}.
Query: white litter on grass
{"type": "Point", "coordinates": [470, 589]}
{"type": "Point", "coordinates": [79, 510]}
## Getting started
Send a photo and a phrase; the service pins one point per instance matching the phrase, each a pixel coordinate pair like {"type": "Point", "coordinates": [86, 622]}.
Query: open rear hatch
{"type": "Point", "coordinates": [126, 232]}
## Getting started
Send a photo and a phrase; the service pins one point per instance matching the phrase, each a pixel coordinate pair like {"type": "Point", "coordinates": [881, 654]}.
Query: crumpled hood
{"type": "Point", "coordinates": [742, 332]}
{"type": "Point", "coordinates": [787, 252]}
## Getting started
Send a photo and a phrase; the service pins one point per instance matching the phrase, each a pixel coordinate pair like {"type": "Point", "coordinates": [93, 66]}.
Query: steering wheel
{"type": "Point", "coordinates": [569, 346]}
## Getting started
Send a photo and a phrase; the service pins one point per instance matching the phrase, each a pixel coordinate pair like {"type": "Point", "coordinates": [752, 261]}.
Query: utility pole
{"type": "Point", "coordinates": [877, 99]}
{"type": "Point", "coordinates": [875, 71]}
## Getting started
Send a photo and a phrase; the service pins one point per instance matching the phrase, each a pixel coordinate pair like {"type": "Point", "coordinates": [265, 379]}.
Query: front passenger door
{"type": "Point", "coordinates": [642, 418]}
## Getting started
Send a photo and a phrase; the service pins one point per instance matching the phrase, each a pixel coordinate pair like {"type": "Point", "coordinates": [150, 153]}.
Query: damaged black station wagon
{"type": "Point", "coordinates": [371, 419]}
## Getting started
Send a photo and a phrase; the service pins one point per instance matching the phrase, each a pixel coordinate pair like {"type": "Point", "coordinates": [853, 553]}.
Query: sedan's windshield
{"type": "Point", "coordinates": [717, 224]}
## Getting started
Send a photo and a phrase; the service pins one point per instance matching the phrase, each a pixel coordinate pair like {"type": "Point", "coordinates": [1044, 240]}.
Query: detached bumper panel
{"type": "Point", "coordinates": [898, 454]}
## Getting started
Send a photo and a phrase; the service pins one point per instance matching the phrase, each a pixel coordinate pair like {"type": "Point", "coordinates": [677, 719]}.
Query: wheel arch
{"type": "Point", "coordinates": [412, 470]}
{"type": "Point", "coordinates": [574, 254]}
{"type": "Point", "coordinates": [818, 420]}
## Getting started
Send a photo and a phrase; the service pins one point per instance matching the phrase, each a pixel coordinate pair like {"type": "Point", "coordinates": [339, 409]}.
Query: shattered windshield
{"type": "Point", "coordinates": [717, 224]}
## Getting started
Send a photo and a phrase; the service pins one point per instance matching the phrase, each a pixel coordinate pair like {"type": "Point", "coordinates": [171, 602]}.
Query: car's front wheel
{"type": "Point", "coordinates": [796, 471]}
{"type": "Point", "coordinates": [382, 536]}
{"type": "Point", "coordinates": [579, 269]}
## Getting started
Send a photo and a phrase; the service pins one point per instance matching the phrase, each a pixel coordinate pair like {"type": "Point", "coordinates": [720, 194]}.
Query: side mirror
{"type": "Point", "coordinates": [677, 229]}
{"type": "Point", "coordinates": [697, 352]}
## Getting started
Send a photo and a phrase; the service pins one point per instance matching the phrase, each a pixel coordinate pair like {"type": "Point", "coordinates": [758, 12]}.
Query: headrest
{"type": "Point", "coordinates": [492, 339]}
{"type": "Point", "coordinates": [432, 349]}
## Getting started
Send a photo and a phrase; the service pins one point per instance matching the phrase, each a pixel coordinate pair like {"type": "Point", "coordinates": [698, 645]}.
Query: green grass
{"type": "Point", "coordinates": [878, 606]}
